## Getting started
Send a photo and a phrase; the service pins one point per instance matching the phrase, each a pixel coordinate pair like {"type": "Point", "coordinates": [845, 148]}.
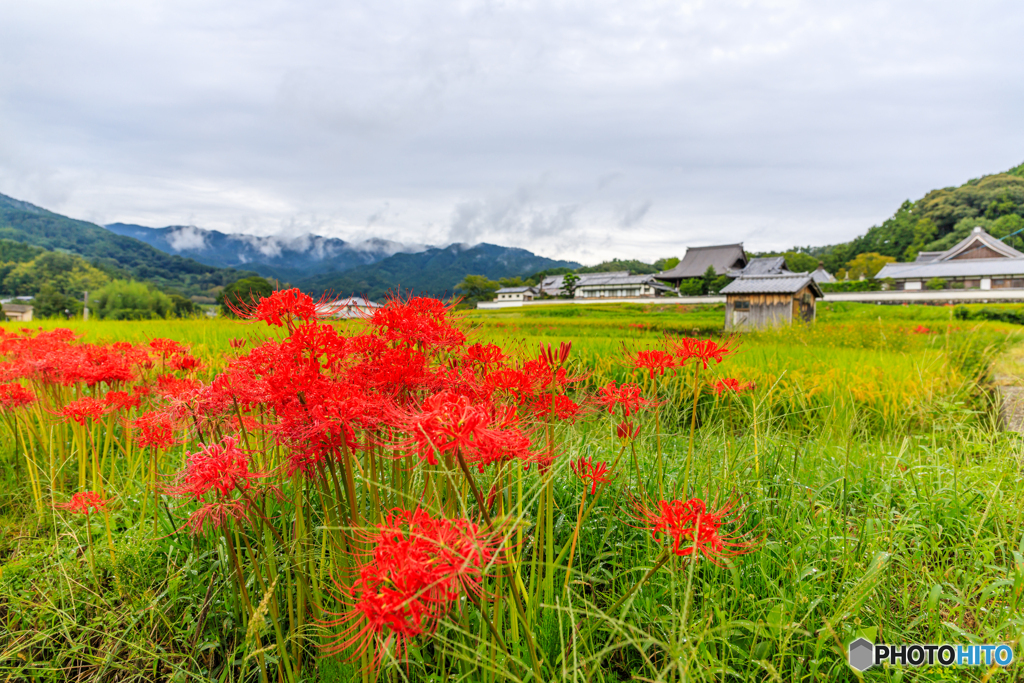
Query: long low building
{"type": "Point", "coordinates": [979, 261]}
{"type": "Point", "coordinates": [617, 284]}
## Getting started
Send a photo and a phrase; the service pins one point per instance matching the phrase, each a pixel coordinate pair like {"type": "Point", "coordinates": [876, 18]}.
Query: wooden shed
{"type": "Point", "coordinates": [760, 301]}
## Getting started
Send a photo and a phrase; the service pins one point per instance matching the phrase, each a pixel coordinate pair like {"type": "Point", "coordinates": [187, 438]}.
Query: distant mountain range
{"type": "Point", "coordinates": [432, 272]}
{"type": "Point", "coordinates": [317, 264]}
{"type": "Point", "coordinates": [199, 262]}
{"type": "Point", "coordinates": [288, 259]}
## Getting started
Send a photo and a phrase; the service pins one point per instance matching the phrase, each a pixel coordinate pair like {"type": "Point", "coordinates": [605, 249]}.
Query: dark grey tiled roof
{"type": "Point", "coordinates": [821, 275]}
{"type": "Point", "coordinates": [722, 257]}
{"type": "Point", "coordinates": [553, 283]}
{"type": "Point", "coordinates": [786, 283]}
{"type": "Point", "coordinates": [766, 265]}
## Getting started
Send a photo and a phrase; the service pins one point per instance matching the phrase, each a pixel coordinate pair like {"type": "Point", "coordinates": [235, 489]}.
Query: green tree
{"type": "Point", "coordinates": [935, 283]}
{"type": "Point", "coordinates": [632, 265]}
{"type": "Point", "coordinates": [709, 277]}
{"type": "Point", "coordinates": [130, 300]}
{"type": "Point", "coordinates": [924, 232]}
{"type": "Point", "coordinates": [569, 284]}
{"type": "Point", "coordinates": [474, 288]}
{"type": "Point", "coordinates": [65, 273]}
{"type": "Point", "coordinates": [691, 287]}
{"type": "Point", "coordinates": [867, 265]}
{"type": "Point", "coordinates": [50, 303]}
{"type": "Point", "coordinates": [182, 307]}
{"type": "Point", "coordinates": [798, 262]}
{"type": "Point", "coordinates": [664, 264]}
{"type": "Point", "coordinates": [243, 293]}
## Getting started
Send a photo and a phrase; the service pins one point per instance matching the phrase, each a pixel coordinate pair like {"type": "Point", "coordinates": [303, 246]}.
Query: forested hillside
{"type": "Point", "coordinates": [30, 225]}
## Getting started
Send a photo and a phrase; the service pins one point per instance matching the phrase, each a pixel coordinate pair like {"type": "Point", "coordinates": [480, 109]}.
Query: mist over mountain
{"type": "Point", "coordinates": [285, 258]}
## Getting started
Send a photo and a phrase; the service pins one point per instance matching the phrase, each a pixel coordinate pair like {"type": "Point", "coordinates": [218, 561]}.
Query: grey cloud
{"type": "Point", "coordinates": [632, 214]}
{"type": "Point", "coordinates": [186, 238]}
{"type": "Point", "coordinates": [791, 122]}
{"type": "Point", "coordinates": [511, 218]}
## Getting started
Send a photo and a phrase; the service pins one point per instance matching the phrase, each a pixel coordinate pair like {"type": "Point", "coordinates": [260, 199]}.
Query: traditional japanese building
{"type": "Point", "coordinates": [614, 285]}
{"type": "Point", "coordinates": [724, 258]}
{"type": "Point", "coordinates": [506, 294]}
{"type": "Point", "coordinates": [979, 261]}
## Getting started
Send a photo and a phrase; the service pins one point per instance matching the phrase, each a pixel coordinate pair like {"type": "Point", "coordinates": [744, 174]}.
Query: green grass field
{"type": "Point", "coordinates": [877, 493]}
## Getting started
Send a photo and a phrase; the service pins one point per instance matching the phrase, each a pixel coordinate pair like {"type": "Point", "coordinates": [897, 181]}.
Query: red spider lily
{"type": "Point", "coordinates": [155, 430]}
{"type": "Point", "coordinates": [120, 400]}
{"type": "Point", "coordinates": [625, 430]}
{"type": "Point", "coordinates": [419, 322]}
{"type": "Point", "coordinates": [518, 384]}
{"type": "Point", "coordinates": [548, 376]}
{"type": "Point", "coordinates": [731, 384]}
{"type": "Point", "coordinates": [655, 361]}
{"type": "Point", "coordinates": [216, 513]}
{"type": "Point", "coordinates": [237, 343]}
{"type": "Point", "coordinates": [559, 405]}
{"type": "Point", "coordinates": [281, 308]}
{"type": "Point", "coordinates": [702, 350]}
{"type": "Point", "coordinates": [487, 356]}
{"type": "Point", "coordinates": [83, 409]}
{"type": "Point", "coordinates": [222, 466]}
{"type": "Point", "coordinates": [921, 329]}
{"type": "Point", "coordinates": [177, 388]}
{"type": "Point", "coordinates": [184, 362]}
{"type": "Point", "coordinates": [83, 503]}
{"type": "Point", "coordinates": [627, 395]}
{"type": "Point", "coordinates": [555, 358]}
{"type": "Point", "coordinates": [590, 471]}
{"type": "Point", "coordinates": [166, 347]}
{"type": "Point", "coordinates": [694, 530]}
{"type": "Point", "coordinates": [14, 396]}
{"type": "Point", "coordinates": [417, 570]}
{"type": "Point", "coordinates": [448, 423]}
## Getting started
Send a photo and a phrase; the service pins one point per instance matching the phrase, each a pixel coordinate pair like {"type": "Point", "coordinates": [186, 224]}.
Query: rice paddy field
{"type": "Point", "coordinates": [563, 493]}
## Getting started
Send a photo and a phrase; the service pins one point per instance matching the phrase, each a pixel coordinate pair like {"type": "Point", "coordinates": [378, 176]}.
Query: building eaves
{"type": "Point", "coordinates": [786, 283]}
{"type": "Point", "coordinates": [989, 267]}
{"type": "Point", "coordinates": [980, 236]}
{"type": "Point", "coordinates": [721, 257]}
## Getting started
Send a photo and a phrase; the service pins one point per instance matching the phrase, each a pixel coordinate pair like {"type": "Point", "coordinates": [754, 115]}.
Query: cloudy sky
{"type": "Point", "coordinates": [581, 130]}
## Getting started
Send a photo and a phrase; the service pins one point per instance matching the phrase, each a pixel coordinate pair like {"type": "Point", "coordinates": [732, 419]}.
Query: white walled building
{"type": "Point", "coordinates": [509, 294]}
{"type": "Point", "coordinates": [979, 261]}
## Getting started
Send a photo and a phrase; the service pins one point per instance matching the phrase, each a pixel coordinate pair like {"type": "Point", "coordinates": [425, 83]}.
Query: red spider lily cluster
{"type": "Point", "coordinates": [84, 503]}
{"type": "Point", "coordinates": [921, 329]}
{"type": "Point", "coordinates": [693, 530]}
{"type": "Point", "coordinates": [326, 411]}
{"type": "Point", "coordinates": [626, 399]}
{"type": "Point", "coordinates": [730, 384]}
{"type": "Point", "coordinates": [593, 473]}
{"type": "Point", "coordinates": [681, 352]}
{"type": "Point", "coordinates": [418, 569]}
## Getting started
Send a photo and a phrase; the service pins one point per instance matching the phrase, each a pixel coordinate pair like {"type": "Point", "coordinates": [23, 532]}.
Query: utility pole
{"type": "Point", "coordinates": [85, 309]}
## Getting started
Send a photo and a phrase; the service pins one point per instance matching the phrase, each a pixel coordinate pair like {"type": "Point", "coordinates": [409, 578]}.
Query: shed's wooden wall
{"type": "Point", "coordinates": [767, 310]}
